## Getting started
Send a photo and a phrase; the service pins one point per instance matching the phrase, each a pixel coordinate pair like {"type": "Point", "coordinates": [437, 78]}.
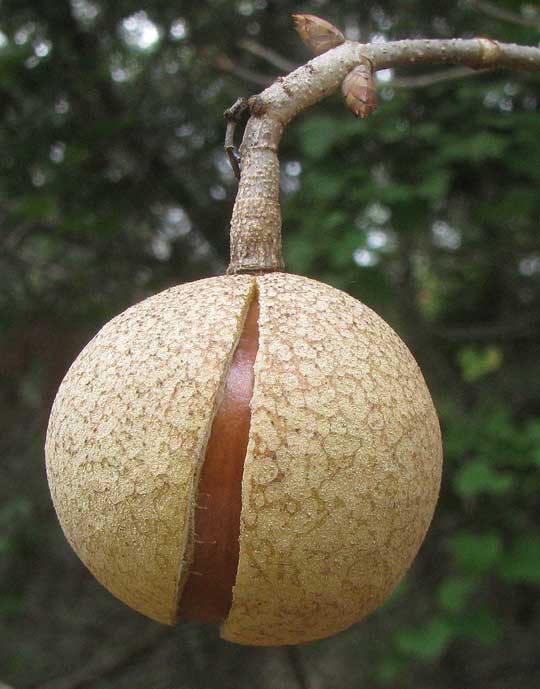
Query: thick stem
{"type": "Point", "coordinates": [256, 220]}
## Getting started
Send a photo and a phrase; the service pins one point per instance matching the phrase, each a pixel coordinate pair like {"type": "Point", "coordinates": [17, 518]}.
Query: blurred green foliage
{"type": "Point", "coordinates": [114, 185]}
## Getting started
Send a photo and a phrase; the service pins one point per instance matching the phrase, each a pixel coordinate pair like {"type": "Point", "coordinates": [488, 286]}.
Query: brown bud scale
{"type": "Point", "coordinates": [360, 91]}
{"type": "Point", "coordinates": [318, 34]}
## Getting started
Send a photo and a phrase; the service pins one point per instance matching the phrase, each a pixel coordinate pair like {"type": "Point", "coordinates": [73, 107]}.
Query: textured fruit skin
{"type": "Point", "coordinates": [342, 470]}
{"type": "Point", "coordinates": [128, 433]}
{"type": "Point", "coordinates": [341, 474]}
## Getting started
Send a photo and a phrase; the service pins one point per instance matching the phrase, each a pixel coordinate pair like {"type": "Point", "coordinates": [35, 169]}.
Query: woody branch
{"type": "Point", "coordinates": [256, 220]}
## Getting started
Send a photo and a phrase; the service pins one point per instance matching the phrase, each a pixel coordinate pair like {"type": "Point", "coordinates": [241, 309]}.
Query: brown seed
{"type": "Point", "coordinates": [207, 595]}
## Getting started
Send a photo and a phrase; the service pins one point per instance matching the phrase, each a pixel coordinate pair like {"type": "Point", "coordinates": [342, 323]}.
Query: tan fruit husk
{"type": "Point", "coordinates": [128, 433]}
{"type": "Point", "coordinates": [341, 474]}
{"type": "Point", "coordinates": [342, 469]}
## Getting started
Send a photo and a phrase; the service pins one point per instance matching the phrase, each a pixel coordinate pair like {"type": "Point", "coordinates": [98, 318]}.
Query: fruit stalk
{"type": "Point", "coordinates": [256, 218]}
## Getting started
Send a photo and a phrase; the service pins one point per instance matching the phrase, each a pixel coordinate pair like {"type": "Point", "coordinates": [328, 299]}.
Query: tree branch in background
{"type": "Point", "coordinates": [106, 664]}
{"type": "Point", "coordinates": [225, 64]}
{"type": "Point", "coordinates": [271, 56]}
{"type": "Point", "coordinates": [491, 10]}
{"type": "Point", "coordinates": [424, 80]}
{"type": "Point", "coordinates": [298, 667]}
{"type": "Point", "coordinates": [520, 326]}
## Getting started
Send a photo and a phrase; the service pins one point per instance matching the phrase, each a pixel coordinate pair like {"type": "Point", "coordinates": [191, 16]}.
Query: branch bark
{"type": "Point", "coordinates": [225, 64]}
{"type": "Point", "coordinates": [416, 82]}
{"type": "Point", "coordinates": [256, 220]}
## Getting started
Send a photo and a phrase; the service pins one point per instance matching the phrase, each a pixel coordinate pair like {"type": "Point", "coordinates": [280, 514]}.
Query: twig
{"type": "Point", "coordinates": [478, 53]}
{"type": "Point", "coordinates": [256, 236]}
{"type": "Point", "coordinates": [297, 666]}
{"type": "Point", "coordinates": [322, 75]}
{"type": "Point", "coordinates": [233, 116]}
{"type": "Point", "coordinates": [260, 79]}
{"type": "Point", "coordinates": [271, 56]}
{"type": "Point", "coordinates": [491, 10]}
{"type": "Point", "coordinates": [420, 81]}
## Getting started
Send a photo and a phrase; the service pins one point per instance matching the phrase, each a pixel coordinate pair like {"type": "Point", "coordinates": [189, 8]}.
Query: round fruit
{"type": "Point", "coordinates": [322, 447]}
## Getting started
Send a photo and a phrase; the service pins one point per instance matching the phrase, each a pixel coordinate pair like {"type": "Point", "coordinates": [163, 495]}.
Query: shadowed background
{"type": "Point", "coordinates": [114, 185]}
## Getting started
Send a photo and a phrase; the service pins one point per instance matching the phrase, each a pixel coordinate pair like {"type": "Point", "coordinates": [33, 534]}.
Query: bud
{"type": "Point", "coordinates": [359, 90]}
{"type": "Point", "coordinates": [318, 34]}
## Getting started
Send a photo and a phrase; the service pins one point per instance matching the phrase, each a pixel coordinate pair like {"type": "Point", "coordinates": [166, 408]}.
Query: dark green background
{"type": "Point", "coordinates": [114, 185]}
